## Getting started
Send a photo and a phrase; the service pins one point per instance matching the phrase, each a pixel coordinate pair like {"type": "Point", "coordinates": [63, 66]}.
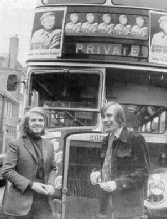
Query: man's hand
{"type": "Point", "coordinates": [50, 189]}
{"type": "Point", "coordinates": [95, 177]}
{"type": "Point", "coordinates": [58, 182]}
{"type": "Point", "coordinates": [39, 188]}
{"type": "Point", "coordinates": [109, 186]}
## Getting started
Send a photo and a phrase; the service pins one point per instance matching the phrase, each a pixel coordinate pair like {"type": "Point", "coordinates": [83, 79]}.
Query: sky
{"type": "Point", "coordinates": [16, 18]}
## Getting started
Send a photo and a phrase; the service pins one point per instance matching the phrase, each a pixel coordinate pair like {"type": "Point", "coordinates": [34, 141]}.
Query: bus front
{"type": "Point", "coordinates": [80, 57]}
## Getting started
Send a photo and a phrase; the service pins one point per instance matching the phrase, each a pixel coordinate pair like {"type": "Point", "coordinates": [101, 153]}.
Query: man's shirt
{"type": "Point", "coordinates": [73, 28]}
{"type": "Point", "coordinates": [160, 39]}
{"type": "Point", "coordinates": [106, 169]}
{"type": "Point", "coordinates": [43, 39]}
{"type": "Point", "coordinates": [105, 28]}
{"type": "Point", "coordinates": [89, 28]}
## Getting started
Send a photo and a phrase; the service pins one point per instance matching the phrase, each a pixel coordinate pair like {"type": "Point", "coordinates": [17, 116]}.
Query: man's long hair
{"type": "Point", "coordinates": [24, 128]}
{"type": "Point", "coordinates": [119, 113]}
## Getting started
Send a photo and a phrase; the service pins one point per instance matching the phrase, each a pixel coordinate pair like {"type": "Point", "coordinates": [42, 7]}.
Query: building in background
{"type": "Point", "coordinates": [11, 103]}
{"type": "Point", "coordinates": [8, 121]}
{"type": "Point", "coordinates": [9, 65]}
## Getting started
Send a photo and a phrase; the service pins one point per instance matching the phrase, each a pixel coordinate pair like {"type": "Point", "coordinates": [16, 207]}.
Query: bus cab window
{"type": "Point", "coordinates": [80, 90]}
{"type": "Point", "coordinates": [67, 90]}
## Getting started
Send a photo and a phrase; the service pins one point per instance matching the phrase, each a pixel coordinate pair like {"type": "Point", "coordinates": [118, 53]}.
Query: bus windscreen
{"type": "Point", "coordinates": [69, 90]}
{"type": "Point", "coordinates": [66, 96]}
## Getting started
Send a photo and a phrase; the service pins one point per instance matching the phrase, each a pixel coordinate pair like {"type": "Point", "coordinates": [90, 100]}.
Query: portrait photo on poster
{"type": "Point", "coordinates": [47, 33]}
{"type": "Point", "coordinates": [107, 25]}
{"type": "Point", "coordinates": [158, 37]}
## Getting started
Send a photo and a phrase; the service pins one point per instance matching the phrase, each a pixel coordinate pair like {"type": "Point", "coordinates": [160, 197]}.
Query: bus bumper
{"type": "Point", "coordinates": [157, 211]}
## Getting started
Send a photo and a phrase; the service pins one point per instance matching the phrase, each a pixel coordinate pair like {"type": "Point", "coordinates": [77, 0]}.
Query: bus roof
{"type": "Point", "coordinates": [160, 4]}
{"type": "Point", "coordinates": [150, 4]}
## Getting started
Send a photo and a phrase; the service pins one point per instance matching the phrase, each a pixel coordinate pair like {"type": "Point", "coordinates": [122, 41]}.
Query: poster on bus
{"type": "Point", "coordinates": [158, 37]}
{"type": "Point", "coordinates": [107, 25]}
{"type": "Point", "coordinates": [47, 34]}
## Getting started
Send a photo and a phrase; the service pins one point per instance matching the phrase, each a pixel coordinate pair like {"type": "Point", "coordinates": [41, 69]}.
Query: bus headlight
{"type": "Point", "coordinates": [157, 187]}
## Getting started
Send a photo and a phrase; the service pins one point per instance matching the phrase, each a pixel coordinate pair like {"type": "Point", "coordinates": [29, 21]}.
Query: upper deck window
{"type": "Point", "coordinates": [160, 4]}
{"type": "Point", "coordinates": [56, 2]}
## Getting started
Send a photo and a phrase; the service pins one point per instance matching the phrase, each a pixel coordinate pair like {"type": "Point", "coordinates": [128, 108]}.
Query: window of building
{"type": "Point", "coordinates": [8, 109]}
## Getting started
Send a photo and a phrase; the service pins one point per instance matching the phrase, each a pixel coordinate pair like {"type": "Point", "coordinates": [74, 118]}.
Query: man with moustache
{"type": "Point", "coordinates": [125, 167]}
{"type": "Point", "coordinates": [31, 170]}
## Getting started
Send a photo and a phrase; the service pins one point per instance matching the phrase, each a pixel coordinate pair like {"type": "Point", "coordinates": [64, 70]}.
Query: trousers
{"type": "Point", "coordinates": [40, 209]}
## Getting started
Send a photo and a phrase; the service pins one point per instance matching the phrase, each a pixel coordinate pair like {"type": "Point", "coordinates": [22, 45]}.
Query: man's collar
{"type": "Point", "coordinates": [118, 132]}
{"type": "Point", "coordinates": [29, 135]}
{"type": "Point", "coordinates": [122, 134]}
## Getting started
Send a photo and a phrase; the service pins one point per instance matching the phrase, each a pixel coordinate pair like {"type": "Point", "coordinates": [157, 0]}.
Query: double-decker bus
{"type": "Point", "coordinates": [82, 54]}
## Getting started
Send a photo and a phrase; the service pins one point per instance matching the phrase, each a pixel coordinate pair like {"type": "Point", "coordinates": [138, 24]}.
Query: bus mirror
{"type": "Point", "coordinates": [12, 83]}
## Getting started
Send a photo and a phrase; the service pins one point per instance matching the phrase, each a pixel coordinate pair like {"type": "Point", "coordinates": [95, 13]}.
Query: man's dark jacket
{"type": "Point", "coordinates": [20, 168]}
{"type": "Point", "coordinates": [130, 170]}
